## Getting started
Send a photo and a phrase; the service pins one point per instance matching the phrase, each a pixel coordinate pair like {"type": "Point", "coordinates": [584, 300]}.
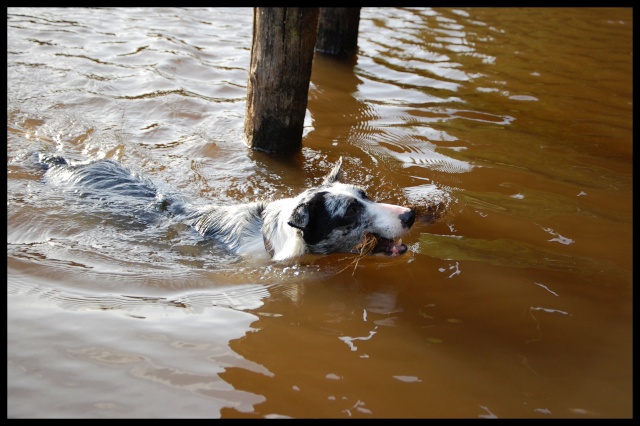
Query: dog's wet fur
{"type": "Point", "coordinates": [333, 217]}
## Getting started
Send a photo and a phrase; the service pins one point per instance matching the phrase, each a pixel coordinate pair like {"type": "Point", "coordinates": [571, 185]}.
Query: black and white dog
{"type": "Point", "coordinates": [333, 217]}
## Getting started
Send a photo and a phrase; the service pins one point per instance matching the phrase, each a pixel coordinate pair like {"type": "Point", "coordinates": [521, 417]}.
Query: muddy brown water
{"type": "Point", "coordinates": [517, 303]}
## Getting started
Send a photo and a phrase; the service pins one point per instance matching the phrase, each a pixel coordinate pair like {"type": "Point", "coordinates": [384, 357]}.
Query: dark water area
{"type": "Point", "coordinates": [516, 303]}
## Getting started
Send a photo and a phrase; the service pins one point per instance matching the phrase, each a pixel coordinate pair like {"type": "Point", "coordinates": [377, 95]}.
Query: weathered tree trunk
{"type": "Point", "coordinates": [279, 73]}
{"type": "Point", "coordinates": [338, 31]}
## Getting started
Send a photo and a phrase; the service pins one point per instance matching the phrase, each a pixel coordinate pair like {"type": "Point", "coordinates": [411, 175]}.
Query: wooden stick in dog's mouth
{"type": "Point", "coordinates": [372, 244]}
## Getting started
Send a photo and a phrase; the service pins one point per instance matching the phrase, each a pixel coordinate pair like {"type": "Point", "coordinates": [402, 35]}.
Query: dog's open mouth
{"type": "Point", "coordinates": [389, 247]}
{"type": "Point", "coordinates": [372, 244]}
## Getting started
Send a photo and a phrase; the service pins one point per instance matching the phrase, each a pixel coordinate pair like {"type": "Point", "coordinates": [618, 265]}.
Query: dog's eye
{"type": "Point", "coordinates": [352, 209]}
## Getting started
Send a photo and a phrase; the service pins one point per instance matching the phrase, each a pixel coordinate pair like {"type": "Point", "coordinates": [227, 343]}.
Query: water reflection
{"type": "Point", "coordinates": [121, 362]}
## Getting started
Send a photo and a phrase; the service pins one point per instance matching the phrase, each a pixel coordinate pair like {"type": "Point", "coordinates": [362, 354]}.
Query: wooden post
{"type": "Point", "coordinates": [279, 73]}
{"type": "Point", "coordinates": [338, 31]}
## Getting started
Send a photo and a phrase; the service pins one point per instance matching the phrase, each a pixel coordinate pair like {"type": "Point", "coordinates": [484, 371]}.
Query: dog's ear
{"type": "Point", "coordinates": [300, 216]}
{"type": "Point", "coordinates": [335, 174]}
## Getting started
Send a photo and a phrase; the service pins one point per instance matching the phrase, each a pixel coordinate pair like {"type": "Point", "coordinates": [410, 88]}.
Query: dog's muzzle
{"type": "Point", "coordinates": [394, 247]}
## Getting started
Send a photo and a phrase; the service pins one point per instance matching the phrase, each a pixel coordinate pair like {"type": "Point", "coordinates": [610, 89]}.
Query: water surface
{"type": "Point", "coordinates": [517, 303]}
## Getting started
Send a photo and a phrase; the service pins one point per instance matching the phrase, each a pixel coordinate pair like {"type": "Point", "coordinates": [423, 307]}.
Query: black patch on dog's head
{"type": "Point", "coordinates": [316, 220]}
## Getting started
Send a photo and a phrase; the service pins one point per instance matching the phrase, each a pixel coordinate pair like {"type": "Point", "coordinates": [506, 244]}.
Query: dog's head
{"type": "Point", "coordinates": [338, 217]}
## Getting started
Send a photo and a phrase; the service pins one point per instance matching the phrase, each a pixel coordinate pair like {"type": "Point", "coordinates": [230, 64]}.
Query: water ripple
{"type": "Point", "coordinates": [239, 297]}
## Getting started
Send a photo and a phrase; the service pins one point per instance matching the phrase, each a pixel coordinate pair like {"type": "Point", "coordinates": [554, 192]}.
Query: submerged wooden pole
{"type": "Point", "coordinates": [338, 31]}
{"type": "Point", "coordinates": [282, 51]}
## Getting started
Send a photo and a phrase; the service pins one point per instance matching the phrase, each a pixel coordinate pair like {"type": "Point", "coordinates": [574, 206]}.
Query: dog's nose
{"type": "Point", "coordinates": [407, 218]}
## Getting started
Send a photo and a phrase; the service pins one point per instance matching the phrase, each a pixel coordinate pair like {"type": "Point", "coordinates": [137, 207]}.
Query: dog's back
{"type": "Point", "coordinates": [120, 190]}
{"type": "Point", "coordinates": [97, 178]}
{"type": "Point", "coordinates": [122, 195]}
